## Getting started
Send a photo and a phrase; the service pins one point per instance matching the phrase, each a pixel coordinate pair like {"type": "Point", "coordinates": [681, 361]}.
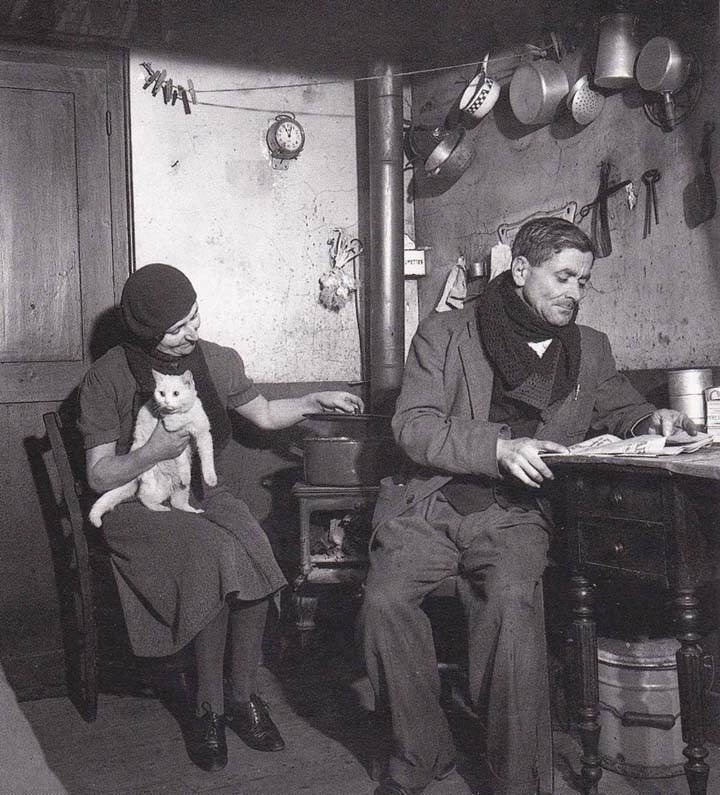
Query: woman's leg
{"type": "Point", "coordinates": [248, 714]}
{"type": "Point", "coordinates": [247, 626]}
{"type": "Point", "coordinates": [209, 656]}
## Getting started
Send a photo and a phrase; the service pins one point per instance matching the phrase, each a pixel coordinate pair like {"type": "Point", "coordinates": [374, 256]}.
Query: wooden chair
{"type": "Point", "coordinates": [98, 651]}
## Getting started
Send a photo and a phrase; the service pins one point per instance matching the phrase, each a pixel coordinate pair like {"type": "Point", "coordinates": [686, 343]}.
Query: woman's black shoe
{"type": "Point", "coordinates": [205, 740]}
{"type": "Point", "coordinates": [252, 723]}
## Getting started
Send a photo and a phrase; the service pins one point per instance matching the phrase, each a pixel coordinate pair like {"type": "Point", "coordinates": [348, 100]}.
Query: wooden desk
{"type": "Point", "coordinates": [641, 518]}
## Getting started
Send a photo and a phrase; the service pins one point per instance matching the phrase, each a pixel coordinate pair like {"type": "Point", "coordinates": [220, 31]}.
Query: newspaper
{"type": "Point", "coordinates": [647, 445]}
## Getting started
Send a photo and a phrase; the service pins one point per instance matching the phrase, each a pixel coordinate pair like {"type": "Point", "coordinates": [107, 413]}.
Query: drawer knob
{"type": "Point", "coordinates": [616, 498]}
{"type": "Point", "coordinates": [619, 548]}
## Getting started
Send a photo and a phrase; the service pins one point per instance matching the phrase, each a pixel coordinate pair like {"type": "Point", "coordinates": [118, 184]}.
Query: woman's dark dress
{"type": "Point", "coordinates": [173, 569]}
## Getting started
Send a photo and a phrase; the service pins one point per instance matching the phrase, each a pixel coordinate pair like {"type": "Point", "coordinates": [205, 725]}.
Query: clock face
{"type": "Point", "coordinates": [289, 136]}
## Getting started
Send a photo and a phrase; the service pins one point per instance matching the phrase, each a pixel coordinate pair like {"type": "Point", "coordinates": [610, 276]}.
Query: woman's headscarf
{"type": "Point", "coordinates": [154, 298]}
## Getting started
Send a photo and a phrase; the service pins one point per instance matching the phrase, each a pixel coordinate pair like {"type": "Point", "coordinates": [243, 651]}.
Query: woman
{"type": "Point", "coordinates": [186, 577]}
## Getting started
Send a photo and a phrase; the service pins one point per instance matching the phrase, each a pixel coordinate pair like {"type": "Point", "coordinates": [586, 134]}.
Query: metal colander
{"type": "Point", "coordinates": [584, 102]}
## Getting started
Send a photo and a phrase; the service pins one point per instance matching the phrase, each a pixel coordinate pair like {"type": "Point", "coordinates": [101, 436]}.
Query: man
{"type": "Point", "coordinates": [486, 391]}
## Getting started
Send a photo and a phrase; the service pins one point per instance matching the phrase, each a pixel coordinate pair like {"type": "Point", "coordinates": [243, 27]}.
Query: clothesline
{"type": "Point", "coordinates": [492, 61]}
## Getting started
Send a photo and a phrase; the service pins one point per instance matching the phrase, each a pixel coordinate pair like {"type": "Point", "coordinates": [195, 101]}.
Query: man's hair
{"type": "Point", "coordinates": [538, 240]}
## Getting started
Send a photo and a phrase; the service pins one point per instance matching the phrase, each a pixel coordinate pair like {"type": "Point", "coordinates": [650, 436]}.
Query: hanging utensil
{"type": "Point", "coordinates": [584, 102]}
{"type": "Point", "coordinates": [600, 224]}
{"type": "Point", "coordinates": [700, 196]}
{"type": "Point", "coordinates": [708, 192]}
{"type": "Point", "coordinates": [662, 68]}
{"type": "Point", "coordinates": [585, 209]}
{"type": "Point", "coordinates": [451, 157]}
{"type": "Point", "coordinates": [617, 51]}
{"type": "Point", "coordinates": [536, 91]}
{"type": "Point", "coordinates": [480, 95]}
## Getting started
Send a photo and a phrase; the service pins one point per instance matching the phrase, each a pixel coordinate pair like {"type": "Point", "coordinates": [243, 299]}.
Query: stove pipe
{"type": "Point", "coordinates": [387, 299]}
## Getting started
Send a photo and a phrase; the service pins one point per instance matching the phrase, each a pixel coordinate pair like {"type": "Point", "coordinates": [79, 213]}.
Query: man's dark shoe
{"type": "Point", "coordinates": [205, 740]}
{"type": "Point", "coordinates": [389, 786]}
{"type": "Point", "coordinates": [252, 723]}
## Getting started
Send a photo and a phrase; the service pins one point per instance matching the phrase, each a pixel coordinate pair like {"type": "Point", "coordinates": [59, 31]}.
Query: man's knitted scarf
{"type": "Point", "coordinates": [506, 325]}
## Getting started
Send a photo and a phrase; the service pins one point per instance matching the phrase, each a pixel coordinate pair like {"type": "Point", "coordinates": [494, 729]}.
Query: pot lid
{"type": "Point", "coordinates": [324, 416]}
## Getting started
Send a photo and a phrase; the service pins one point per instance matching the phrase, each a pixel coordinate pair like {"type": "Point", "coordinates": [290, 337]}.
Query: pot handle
{"type": "Point", "coordinates": [295, 450]}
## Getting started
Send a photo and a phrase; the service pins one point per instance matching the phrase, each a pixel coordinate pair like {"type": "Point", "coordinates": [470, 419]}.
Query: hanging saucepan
{"type": "Point", "coordinates": [420, 140]}
{"type": "Point", "coordinates": [451, 157]}
{"type": "Point", "coordinates": [537, 90]}
{"type": "Point", "coordinates": [661, 67]}
{"type": "Point", "coordinates": [617, 50]}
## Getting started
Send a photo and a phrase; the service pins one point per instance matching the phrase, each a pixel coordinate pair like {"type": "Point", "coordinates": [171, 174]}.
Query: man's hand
{"type": "Point", "coordinates": [520, 458]}
{"type": "Point", "coordinates": [665, 422]}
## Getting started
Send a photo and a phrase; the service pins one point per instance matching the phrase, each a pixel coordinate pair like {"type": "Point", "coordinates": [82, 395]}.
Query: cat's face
{"type": "Point", "coordinates": [174, 393]}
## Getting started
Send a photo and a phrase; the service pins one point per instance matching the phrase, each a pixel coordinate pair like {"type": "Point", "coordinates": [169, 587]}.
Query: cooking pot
{"type": "Point", "coordinates": [480, 95]}
{"type": "Point", "coordinates": [451, 157]}
{"type": "Point", "coordinates": [536, 91]}
{"type": "Point", "coordinates": [343, 461]}
{"type": "Point", "coordinates": [420, 140]}
{"type": "Point", "coordinates": [617, 51]}
{"type": "Point", "coordinates": [662, 67]}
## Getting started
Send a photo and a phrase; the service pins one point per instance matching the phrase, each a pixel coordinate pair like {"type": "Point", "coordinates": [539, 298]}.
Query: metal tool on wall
{"type": "Point", "coordinates": [649, 178]}
{"type": "Point", "coordinates": [600, 223]}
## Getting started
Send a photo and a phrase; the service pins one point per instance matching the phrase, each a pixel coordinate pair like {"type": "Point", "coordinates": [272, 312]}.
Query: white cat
{"type": "Point", "coordinates": [174, 403]}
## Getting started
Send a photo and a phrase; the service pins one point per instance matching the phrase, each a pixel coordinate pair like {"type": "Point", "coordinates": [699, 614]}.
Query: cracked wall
{"type": "Point", "coordinates": [252, 239]}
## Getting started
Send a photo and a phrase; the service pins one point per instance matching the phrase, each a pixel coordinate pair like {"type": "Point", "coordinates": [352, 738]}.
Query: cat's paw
{"type": "Point", "coordinates": [95, 518]}
{"type": "Point", "coordinates": [190, 509]}
{"type": "Point", "coordinates": [210, 479]}
{"type": "Point", "coordinates": [157, 507]}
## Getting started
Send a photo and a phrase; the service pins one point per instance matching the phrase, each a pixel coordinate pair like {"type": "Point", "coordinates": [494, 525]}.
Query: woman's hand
{"type": "Point", "coordinates": [338, 402]}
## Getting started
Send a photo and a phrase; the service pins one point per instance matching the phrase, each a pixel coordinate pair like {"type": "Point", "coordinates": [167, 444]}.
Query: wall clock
{"type": "Point", "coordinates": [285, 139]}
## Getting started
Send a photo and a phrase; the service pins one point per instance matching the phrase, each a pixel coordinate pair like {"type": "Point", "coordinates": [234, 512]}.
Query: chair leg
{"type": "Point", "coordinates": [88, 652]}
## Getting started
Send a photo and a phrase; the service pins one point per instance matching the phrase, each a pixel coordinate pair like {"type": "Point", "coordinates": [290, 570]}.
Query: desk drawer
{"type": "Point", "coordinates": [632, 547]}
{"type": "Point", "coordinates": [633, 497]}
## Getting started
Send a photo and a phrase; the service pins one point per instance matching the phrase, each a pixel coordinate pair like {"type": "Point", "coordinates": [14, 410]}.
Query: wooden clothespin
{"type": "Point", "coordinates": [184, 97]}
{"type": "Point", "coordinates": [159, 82]}
{"type": "Point", "coordinates": [191, 91]}
{"type": "Point", "coordinates": [151, 79]}
{"type": "Point", "coordinates": [167, 90]}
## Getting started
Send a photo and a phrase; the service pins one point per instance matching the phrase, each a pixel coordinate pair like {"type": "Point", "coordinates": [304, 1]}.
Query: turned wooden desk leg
{"type": "Point", "coordinates": [585, 641]}
{"type": "Point", "coordinates": [692, 696]}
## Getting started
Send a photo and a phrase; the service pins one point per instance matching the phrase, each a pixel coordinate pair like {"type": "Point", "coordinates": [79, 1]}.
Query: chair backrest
{"type": "Point", "coordinates": [102, 640]}
{"type": "Point", "coordinates": [83, 686]}
{"type": "Point", "coordinates": [70, 489]}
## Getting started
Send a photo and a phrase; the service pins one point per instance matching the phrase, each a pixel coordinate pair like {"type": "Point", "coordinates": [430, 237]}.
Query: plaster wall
{"type": "Point", "coordinates": [657, 298]}
{"type": "Point", "coordinates": [252, 239]}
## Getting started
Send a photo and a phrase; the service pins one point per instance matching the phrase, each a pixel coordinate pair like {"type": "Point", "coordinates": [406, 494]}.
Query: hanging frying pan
{"type": "Point", "coordinates": [661, 67]}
